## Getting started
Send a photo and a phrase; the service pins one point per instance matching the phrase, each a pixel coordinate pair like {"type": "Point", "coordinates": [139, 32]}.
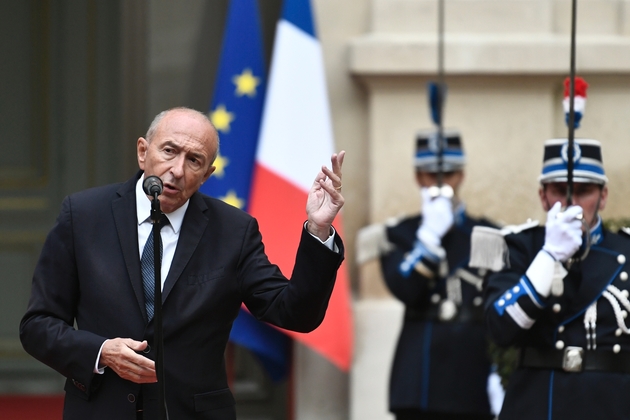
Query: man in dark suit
{"type": "Point", "coordinates": [88, 317]}
{"type": "Point", "coordinates": [441, 366]}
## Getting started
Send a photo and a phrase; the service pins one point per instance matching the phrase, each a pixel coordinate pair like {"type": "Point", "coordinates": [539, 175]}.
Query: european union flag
{"type": "Point", "coordinates": [236, 111]}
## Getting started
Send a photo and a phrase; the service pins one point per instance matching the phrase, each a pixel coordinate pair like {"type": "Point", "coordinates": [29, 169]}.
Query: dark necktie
{"type": "Point", "coordinates": [148, 269]}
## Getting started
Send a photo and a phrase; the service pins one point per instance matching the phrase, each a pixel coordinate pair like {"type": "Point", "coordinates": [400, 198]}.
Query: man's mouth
{"type": "Point", "coordinates": [170, 189]}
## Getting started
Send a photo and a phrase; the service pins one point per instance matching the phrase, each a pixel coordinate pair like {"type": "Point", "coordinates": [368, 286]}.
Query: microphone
{"type": "Point", "coordinates": [152, 185]}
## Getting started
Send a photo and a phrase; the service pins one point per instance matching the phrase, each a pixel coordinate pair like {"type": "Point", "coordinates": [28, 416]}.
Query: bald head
{"type": "Point", "coordinates": [155, 124]}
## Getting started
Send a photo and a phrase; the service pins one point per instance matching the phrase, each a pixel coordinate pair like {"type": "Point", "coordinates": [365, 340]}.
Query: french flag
{"type": "Point", "coordinates": [579, 102]}
{"type": "Point", "coordinates": [296, 139]}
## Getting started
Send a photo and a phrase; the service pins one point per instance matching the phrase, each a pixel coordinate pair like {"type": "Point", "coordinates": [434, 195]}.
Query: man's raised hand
{"type": "Point", "coordinates": [325, 199]}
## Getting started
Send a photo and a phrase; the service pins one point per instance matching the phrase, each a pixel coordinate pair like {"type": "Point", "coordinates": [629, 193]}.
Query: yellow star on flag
{"type": "Point", "coordinates": [221, 118]}
{"type": "Point", "coordinates": [220, 163]}
{"type": "Point", "coordinates": [246, 83]}
{"type": "Point", "coordinates": [232, 199]}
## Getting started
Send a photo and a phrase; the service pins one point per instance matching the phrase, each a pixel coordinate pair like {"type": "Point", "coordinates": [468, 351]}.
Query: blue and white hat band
{"type": "Point", "coordinates": [587, 163]}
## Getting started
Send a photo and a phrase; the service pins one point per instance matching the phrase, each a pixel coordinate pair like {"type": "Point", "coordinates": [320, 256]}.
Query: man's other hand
{"type": "Point", "coordinates": [119, 354]}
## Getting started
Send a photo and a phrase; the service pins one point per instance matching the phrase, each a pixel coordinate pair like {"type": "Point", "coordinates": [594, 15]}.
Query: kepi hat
{"type": "Point", "coordinates": [587, 161]}
{"type": "Point", "coordinates": [426, 159]}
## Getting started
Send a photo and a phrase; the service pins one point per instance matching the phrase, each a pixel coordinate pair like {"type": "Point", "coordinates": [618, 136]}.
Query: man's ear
{"type": "Point", "coordinates": [603, 198]}
{"type": "Point", "coordinates": [209, 172]}
{"type": "Point", "coordinates": [142, 147]}
{"type": "Point", "coordinates": [543, 199]}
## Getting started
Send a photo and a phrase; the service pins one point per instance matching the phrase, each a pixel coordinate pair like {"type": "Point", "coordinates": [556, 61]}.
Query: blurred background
{"type": "Point", "coordinates": [81, 81]}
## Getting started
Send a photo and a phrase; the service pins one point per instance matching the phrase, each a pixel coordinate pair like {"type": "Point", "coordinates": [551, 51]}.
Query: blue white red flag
{"type": "Point", "coordinates": [296, 139]}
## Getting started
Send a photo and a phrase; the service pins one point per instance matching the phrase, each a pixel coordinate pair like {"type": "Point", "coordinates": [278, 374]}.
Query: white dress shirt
{"type": "Point", "coordinates": [169, 233]}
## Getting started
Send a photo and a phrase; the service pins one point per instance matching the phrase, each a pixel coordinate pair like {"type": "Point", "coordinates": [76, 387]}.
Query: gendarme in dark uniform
{"type": "Point", "coordinates": [441, 365]}
{"type": "Point", "coordinates": [568, 318]}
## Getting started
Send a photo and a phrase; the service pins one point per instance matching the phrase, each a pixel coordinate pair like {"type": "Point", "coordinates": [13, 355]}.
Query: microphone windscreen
{"type": "Point", "coordinates": [152, 185]}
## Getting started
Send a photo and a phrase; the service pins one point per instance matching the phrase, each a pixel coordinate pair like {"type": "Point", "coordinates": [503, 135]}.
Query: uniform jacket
{"type": "Point", "coordinates": [518, 316]}
{"type": "Point", "coordinates": [89, 274]}
{"type": "Point", "coordinates": [438, 366]}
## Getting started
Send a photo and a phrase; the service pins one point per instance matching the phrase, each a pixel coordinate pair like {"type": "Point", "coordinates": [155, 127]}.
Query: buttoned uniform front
{"type": "Point", "coordinates": [518, 316]}
{"type": "Point", "coordinates": [440, 365]}
{"type": "Point", "coordinates": [89, 273]}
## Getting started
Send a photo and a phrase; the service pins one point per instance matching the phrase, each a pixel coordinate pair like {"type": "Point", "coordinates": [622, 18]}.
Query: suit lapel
{"type": "Point", "coordinates": [193, 227]}
{"type": "Point", "coordinates": [124, 210]}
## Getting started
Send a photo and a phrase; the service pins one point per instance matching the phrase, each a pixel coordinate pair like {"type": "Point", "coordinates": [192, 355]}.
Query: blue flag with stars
{"type": "Point", "coordinates": [236, 111]}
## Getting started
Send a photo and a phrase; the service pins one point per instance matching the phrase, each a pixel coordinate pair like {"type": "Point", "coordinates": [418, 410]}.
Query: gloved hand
{"type": "Point", "coordinates": [437, 218]}
{"type": "Point", "coordinates": [563, 232]}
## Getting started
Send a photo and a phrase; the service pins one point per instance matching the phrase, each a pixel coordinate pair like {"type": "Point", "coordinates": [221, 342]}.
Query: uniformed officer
{"type": "Point", "coordinates": [441, 365]}
{"type": "Point", "coordinates": [563, 300]}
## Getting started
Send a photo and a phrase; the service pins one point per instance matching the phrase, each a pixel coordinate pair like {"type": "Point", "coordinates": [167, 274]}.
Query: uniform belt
{"type": "Point", "coordinates": [465, 314]}
{"type": "Point", "coordinates": [575, 359]}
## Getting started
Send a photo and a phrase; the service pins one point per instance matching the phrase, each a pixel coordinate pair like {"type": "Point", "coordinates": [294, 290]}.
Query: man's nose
{"type": "Point", "coordinates": [577, 200]}
{"type": "Point", "coordinates": [178, 166]}
{"type": "Point", "coordinates": [562, 201]}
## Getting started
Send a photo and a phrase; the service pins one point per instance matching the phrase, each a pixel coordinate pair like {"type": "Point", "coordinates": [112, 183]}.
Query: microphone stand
{"type": "Point", "coordinates": [157, 304]}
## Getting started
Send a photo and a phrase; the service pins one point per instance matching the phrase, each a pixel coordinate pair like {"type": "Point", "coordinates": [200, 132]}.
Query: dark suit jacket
{"type": "Point", "coordinates": [552, 394]}
{"type": "Point", "coordinates": [89, 274]}
{"type": "Point", "coordinates": [439, 366]}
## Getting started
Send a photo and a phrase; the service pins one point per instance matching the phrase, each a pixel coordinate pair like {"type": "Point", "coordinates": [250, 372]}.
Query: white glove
{"type": "Point", "coordinates": [437, 218]}
{"type": "Point", "coordinates": [563, 232]}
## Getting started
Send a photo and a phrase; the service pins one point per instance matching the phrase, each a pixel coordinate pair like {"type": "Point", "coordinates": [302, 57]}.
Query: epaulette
{"type": "Point", "coordinates": [393, 221]}
{"type": "Point", "coordinates": [488, 248]}
{"type": "Point", "coordinates": [519, 228]}
{"type": "Point", "coordinates": [372, 241]}
{"type": "Point", "coordinates": [624, 231]}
